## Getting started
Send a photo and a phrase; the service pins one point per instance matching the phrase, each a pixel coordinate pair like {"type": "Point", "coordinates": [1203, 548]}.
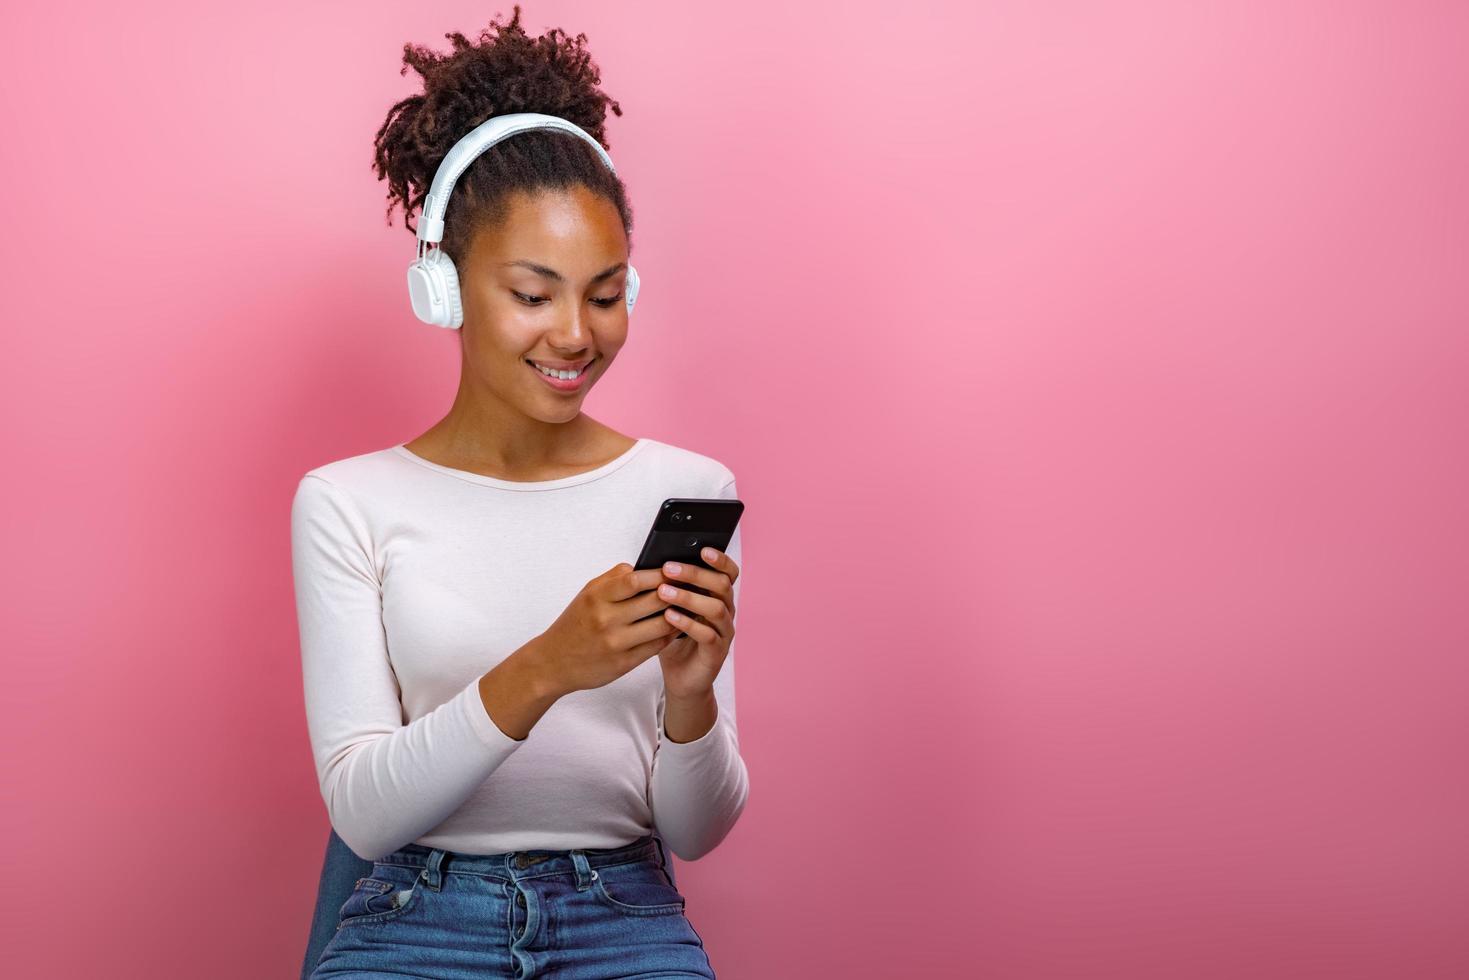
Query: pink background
{"type": "Point", "coordinates": [1095, 376]}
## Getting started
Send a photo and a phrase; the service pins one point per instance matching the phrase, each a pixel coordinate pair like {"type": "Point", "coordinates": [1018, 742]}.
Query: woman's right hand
{"type": "Point", "coordinates": [597, 638]}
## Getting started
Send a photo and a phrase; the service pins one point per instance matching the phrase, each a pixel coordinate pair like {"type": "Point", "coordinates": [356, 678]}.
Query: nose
{"type": "Point", "coordinates": [573, 334]}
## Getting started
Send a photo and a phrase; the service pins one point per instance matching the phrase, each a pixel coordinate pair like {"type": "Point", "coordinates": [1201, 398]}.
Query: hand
{"type": "Point", "coordinates": [692, 661]}
{"type": "Point", "coordinates": [598, 638]}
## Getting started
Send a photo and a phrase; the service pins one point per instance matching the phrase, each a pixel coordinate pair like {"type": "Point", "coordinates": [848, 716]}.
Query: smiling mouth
{"type": "Point", "coordinates": [581, 375]}
{"type": "Point", "coordinates": [566, 385]}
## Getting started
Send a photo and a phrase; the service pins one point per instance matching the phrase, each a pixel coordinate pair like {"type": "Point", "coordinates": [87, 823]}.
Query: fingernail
{"type": "Point", "coordinates": [710, 554]}
{"type": "Point", "coordinates": [672, 568]}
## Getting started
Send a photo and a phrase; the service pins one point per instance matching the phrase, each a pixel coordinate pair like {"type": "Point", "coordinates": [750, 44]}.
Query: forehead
{"type": "Point", "coordinates": [574, 225]}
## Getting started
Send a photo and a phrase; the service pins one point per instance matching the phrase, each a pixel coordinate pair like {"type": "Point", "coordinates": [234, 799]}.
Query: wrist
{"type": "Point", "coordinates": [688, 718]}
{"type": "Point", "coordinates": [530, 666]}
{"type": "Point", "coordinates": [515, 694]}
{"type": "Point", "coordinates": [695, 699]}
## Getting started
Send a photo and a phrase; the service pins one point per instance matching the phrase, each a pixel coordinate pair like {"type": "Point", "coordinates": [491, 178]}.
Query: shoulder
{"type": "Point", "coordinates": [703, 474]}
{"type": "Point", "coordinates": [353, 470]}
{"type": "Point", "coordinates": [355, 479]}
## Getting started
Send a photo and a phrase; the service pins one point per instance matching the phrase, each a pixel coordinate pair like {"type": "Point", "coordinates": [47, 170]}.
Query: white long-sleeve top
{"type": "Point", "coordinates": [413, 579]}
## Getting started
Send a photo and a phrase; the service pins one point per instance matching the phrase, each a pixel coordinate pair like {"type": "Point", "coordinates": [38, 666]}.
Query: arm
{"type": "Point", "coordinates": [698, 789]}
{"type": "Point", "coordinates": [385, 783]}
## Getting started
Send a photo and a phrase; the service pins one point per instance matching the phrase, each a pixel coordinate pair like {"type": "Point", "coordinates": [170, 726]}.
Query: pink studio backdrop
{"type": "Point", "coordinates": [1095, 375]}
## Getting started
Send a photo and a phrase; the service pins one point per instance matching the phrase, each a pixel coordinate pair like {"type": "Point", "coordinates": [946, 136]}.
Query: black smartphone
{"type": "Point", "coordinates": [683, 526]}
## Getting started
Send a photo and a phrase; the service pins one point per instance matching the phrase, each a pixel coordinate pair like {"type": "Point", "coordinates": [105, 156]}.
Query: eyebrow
{"type": "Point", "coordinates": [550, 273]}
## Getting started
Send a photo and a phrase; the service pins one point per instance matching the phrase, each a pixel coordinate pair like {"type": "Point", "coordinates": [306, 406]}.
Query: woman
{"type": "Point", "coordinates": [507, 719]}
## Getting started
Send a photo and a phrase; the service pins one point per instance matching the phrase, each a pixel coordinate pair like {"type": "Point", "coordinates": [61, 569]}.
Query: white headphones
{"type": "Point", "coordinates": [433, 282]}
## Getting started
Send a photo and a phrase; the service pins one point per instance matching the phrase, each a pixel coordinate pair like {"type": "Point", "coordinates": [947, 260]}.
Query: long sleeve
{"type": "Point", "coordinates": [699, 788]}
{"type": "Point", "coordinates": [385, 783]}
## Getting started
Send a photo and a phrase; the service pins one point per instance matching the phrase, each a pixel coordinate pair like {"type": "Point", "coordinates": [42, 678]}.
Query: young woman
{"type": "Point", "coordinates": [508, 721]}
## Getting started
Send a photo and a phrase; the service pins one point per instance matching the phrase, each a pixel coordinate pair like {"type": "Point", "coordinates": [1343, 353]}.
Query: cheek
{"type": "Point", "coordinates": [496, 338]}
{"type": "Point", "coordinates": [609, 342]}
{"type": "Point", "coordinates": [491, 358]}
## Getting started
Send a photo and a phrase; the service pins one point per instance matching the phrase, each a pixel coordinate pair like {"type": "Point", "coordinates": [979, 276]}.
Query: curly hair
{"type": "Point", "coordinates": [506, 71]}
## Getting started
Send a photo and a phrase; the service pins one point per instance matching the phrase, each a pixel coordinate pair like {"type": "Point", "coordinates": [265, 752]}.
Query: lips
{"type": "Point", "coordinates": [562, 365]}
{"type": "Point", "coordinates": [567, 385]}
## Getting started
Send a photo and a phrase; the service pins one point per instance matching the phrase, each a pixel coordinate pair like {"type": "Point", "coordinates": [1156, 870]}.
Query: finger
{"type": "Point", "coordinates": [647, 603]}
{"type": "Point", "coordinates": [701, 632]}
{"type": "Point", "coordinates": [707, 578]}
{"type": "Point", "coordinates": [637, 634]}
{"type": "Point", "coordinates": [720, 562]}
{"type": "Point", "coordinates": [712, 607]}
{"type": "Point", "coordinates": [709, 581]}
{"type": "Point", "coordinates": [622, 581]}
{"type": "Point", "coordinates": [646, 651]}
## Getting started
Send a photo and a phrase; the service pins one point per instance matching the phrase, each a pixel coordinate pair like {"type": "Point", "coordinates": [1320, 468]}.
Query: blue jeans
{"type": "Point", "coordinates": [340, 870]}
{"type": "Point", "coordinates": [583, 914]}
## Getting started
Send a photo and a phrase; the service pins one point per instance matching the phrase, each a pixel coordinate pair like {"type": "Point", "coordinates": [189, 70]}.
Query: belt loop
{"type": "Point", "coordinates": [432, 876]}
{"type": "Point", "coordinates": [584, 872]}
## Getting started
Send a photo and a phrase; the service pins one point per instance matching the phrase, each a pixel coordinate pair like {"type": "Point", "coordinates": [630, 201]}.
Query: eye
{"type": "Point", "coordinates": [538, 300]}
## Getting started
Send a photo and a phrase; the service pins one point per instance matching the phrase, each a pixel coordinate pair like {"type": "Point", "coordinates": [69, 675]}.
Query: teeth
{"type": "Point", "coordinates": [563, 375]}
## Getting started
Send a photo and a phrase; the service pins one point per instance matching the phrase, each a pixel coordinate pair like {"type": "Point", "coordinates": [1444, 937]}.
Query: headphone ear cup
{"type": "Point", "coordinates": [631, 289]}
{"type": "Point", "coordinates": [433, 287]}
{"type": "Point", "coordinates": [451, 290]}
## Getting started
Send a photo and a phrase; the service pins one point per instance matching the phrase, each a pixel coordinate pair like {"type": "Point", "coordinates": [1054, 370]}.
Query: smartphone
{"type": "Point", "coordinates": [683, 526]}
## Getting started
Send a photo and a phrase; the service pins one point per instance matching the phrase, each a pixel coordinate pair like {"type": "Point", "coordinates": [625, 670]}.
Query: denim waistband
{"type": "Point", "coordinates": [524, 864]}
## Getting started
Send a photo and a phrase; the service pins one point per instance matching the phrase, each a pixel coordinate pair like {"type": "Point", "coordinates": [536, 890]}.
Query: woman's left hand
{"type": "Point", "coordinates": [691, 662]}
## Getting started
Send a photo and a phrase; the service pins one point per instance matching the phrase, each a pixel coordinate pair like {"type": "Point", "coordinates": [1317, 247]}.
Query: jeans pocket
{"type": "Point", "coordinates": [385, 894]}
{"type": "Point", "coordinates": [637, 888]}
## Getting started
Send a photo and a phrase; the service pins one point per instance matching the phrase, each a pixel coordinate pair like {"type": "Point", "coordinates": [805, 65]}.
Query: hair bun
{"type": "Point", "coordinates": [502, 71]}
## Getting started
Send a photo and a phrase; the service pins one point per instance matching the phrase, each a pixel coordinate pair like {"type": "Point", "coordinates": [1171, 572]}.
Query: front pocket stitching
{"type": "Point", "coordinates": [381, 885]}
{"type": "Point", "coordinates": [602, 892]}
{"type": "Point", "coordinates": [386, 913]}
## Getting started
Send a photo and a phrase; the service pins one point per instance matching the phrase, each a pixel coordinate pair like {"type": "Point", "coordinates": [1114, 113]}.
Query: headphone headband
{"type": "Point", "coordinates": [471, 145]}
{"type": "Point", "coordinates": [433, 282]}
